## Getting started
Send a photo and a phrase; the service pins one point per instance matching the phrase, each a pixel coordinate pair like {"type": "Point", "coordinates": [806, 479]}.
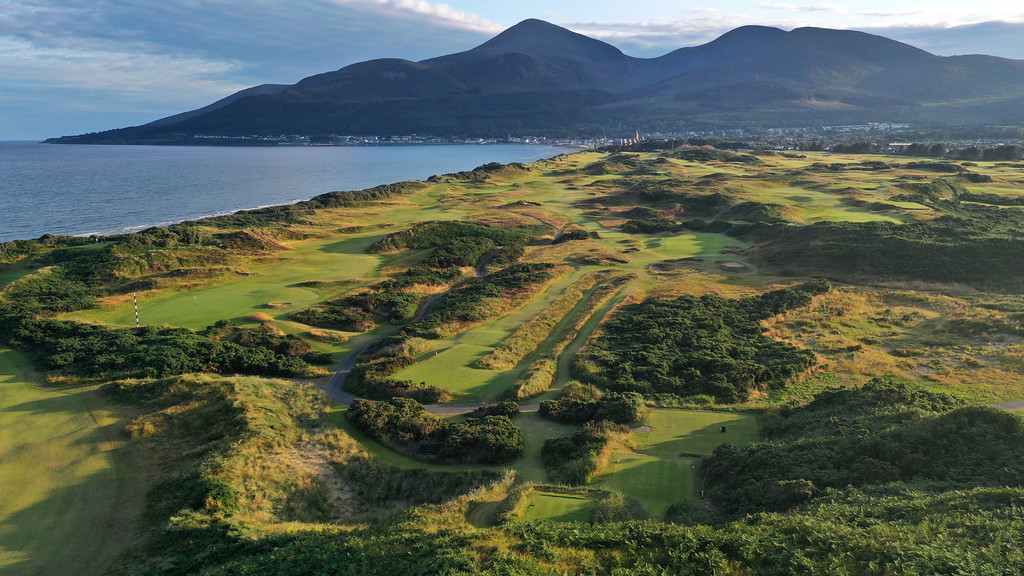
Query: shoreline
{"type": "Point", "coordinates": [87, 213]}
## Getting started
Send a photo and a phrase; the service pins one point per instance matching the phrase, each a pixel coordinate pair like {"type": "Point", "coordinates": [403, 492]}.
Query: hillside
{"type": "Point", "coordinates": [539, 78]}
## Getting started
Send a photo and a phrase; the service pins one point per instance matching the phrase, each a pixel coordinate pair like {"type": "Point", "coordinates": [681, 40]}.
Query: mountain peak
{"type": "Point", "coordinates": [539, 37]}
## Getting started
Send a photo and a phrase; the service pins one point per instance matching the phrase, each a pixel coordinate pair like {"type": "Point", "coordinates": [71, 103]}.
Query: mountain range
{"type": "Point", "coordinates": [541, 79]}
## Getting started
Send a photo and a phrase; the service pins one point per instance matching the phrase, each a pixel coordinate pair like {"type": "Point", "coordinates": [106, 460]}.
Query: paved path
{"type": "Point", "coordinates": [1015, 405]}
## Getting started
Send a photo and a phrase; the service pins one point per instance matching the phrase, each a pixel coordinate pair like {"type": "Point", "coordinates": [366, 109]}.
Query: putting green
{"type": "Point", "coordinates": [65, 507]}
{"type": "Point", "coordinates": [661, 470]}
{"type": "Point", "coordinates": [677, 432]}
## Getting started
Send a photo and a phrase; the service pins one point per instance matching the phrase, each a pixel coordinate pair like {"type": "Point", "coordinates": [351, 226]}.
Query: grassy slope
{"type": "Point", "coordinates": [70, 493]}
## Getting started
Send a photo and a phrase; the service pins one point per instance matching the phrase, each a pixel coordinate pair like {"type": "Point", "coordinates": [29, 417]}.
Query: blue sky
{"type": "Point", "coordinates": [74, 66]}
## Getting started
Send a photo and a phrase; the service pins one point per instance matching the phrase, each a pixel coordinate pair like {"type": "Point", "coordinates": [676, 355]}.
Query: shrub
{"type": "Point", "coordinates": [406, 426]}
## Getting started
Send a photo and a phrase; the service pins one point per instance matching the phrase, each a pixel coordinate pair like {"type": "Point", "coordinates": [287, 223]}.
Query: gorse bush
{"type": "Point", "coordinates": [696, 345]}
{"type": "Point", "coordinates": [404, 425]}
{"type": "Point", "coordinates": [884, 433]}
{"type": "Point", "coordinates": [575, 459]}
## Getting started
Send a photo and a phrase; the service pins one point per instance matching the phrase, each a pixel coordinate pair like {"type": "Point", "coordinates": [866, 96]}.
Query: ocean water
{"type": "Point", "coordinates": [82, 190]}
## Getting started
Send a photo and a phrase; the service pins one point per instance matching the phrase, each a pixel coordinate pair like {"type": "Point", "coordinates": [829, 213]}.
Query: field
{"type": "Point", "coordinates": [693, 432]}
{"type": "Point", "coordinates": [70, 498]}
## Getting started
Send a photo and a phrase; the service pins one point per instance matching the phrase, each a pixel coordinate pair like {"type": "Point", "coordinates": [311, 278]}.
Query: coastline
{"type": "Point", "coordinates": [84, 191]}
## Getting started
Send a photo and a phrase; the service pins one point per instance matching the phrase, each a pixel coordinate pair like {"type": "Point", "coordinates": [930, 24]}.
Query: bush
{"type": "Point", "coordinates": [404, 425]}
{"type": "Point", "coordinates": [575, 459]}
{"type": "Point", "coordinates": [692, 345]}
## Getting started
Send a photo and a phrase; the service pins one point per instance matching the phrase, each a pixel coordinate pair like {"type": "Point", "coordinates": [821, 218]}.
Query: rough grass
{"type": "Point", "coordinates": [528, 336]}
{"type": "Point", "coordinates": [858, 333]}
{"type": "Point", "coordinates": [528, 468]}
{"type": "Point", "coordinates": [544, 371]}
{"type": "Point", "coordinates": [450, 366]}
{"type": "Point", "coordinates": [939, 341]}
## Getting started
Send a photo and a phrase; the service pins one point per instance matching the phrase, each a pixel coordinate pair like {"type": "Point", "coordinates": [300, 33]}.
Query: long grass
{"type": "Point", "coordinates": [527, 337]}
{"type": "Point", "coordinates": [542, 372]}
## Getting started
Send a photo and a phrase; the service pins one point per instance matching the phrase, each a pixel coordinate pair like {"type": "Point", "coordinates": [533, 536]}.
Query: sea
{"type": "Point", "coordinates": [84, 190]}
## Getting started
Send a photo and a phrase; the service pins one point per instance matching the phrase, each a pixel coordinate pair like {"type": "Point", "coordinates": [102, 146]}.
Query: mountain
{"type": "Point", "coordinates": [539, 78]}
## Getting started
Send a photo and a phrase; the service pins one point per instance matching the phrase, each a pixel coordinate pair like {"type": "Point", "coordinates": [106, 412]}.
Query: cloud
{"type": "Point", "coordinates": [890, 14]}
{"type": "Point", "coordinates": [158, 57]}
{"type": "Point", "coordinates": [655, 38]}
{"type": "Point", "coordinates": [995, 38]}
{"type": "Point", "coordinates": [441, 14]}
{"type": "Point", "coordinates": [806, 8]}
{"type": "Point", "coordinates": [650, 39]}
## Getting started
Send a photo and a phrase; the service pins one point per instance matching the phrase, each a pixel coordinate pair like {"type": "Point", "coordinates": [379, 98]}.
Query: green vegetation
{"type": "Point", "coordinates": [541, 373]}
{"type": "Point", "coordinates": [694, 432]}
{"type": "Point", "coordinates": [575, 459]}
{"type": "Point", "coordinates": [883, 433]}
{"type": "Point", "coordinates": [558, 507]}
{"type": "Point", "coordinates": [742, 376]}
{"type": "Point", "coordinates": [525, 340]}
{"type": "Point", "coordinates": [580, 403]}
{"type": "Point", "coordinates": [402, 424]}
{"type": "Point", "coordinates": [697, 345]}
{"type": "Point", "coordinates": [68, 478]}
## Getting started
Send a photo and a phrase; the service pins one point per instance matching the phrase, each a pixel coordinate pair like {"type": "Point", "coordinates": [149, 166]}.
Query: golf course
{"type": "Point", "coordinates": [671, 341]}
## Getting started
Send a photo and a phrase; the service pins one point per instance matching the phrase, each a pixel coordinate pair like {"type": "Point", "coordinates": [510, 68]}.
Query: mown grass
{"type": "Point", "coordinates": [656, 482]}
{"type": "Point", "coordinates": [858, 334]}
{"type": "Point", "coordinates": [70, 493]}
{"type": "Point", "coordinates": [450, 365]}
{"type": "Point", "coordinates": [660, 469]}
{"type": "Point", "coordinates": [277, 282]}
{"type": "Point", "coordinates": [694, 432]}
{"type": "Point", "coordinates": [531, 334]}
{"type": "Point", "coordinates": [542, 505]}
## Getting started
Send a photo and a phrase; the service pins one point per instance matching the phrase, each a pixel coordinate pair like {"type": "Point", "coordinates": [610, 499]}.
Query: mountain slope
{"type": "Point", "coordinates": [539, 78]}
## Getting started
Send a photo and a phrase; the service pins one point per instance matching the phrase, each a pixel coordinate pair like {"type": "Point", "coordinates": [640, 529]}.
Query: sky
{"type": "Point", "coordinates": [76, 66]}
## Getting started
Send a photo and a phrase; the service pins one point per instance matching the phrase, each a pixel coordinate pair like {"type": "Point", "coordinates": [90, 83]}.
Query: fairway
{"type": "Point", "coordinates": [331, 260]}
{"type": "Point", "coordinates": [558, 507]}
{"type": "Point", "coordinates": [65, 508]}
{"type": "Point", "coordinates": [449, 366]}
